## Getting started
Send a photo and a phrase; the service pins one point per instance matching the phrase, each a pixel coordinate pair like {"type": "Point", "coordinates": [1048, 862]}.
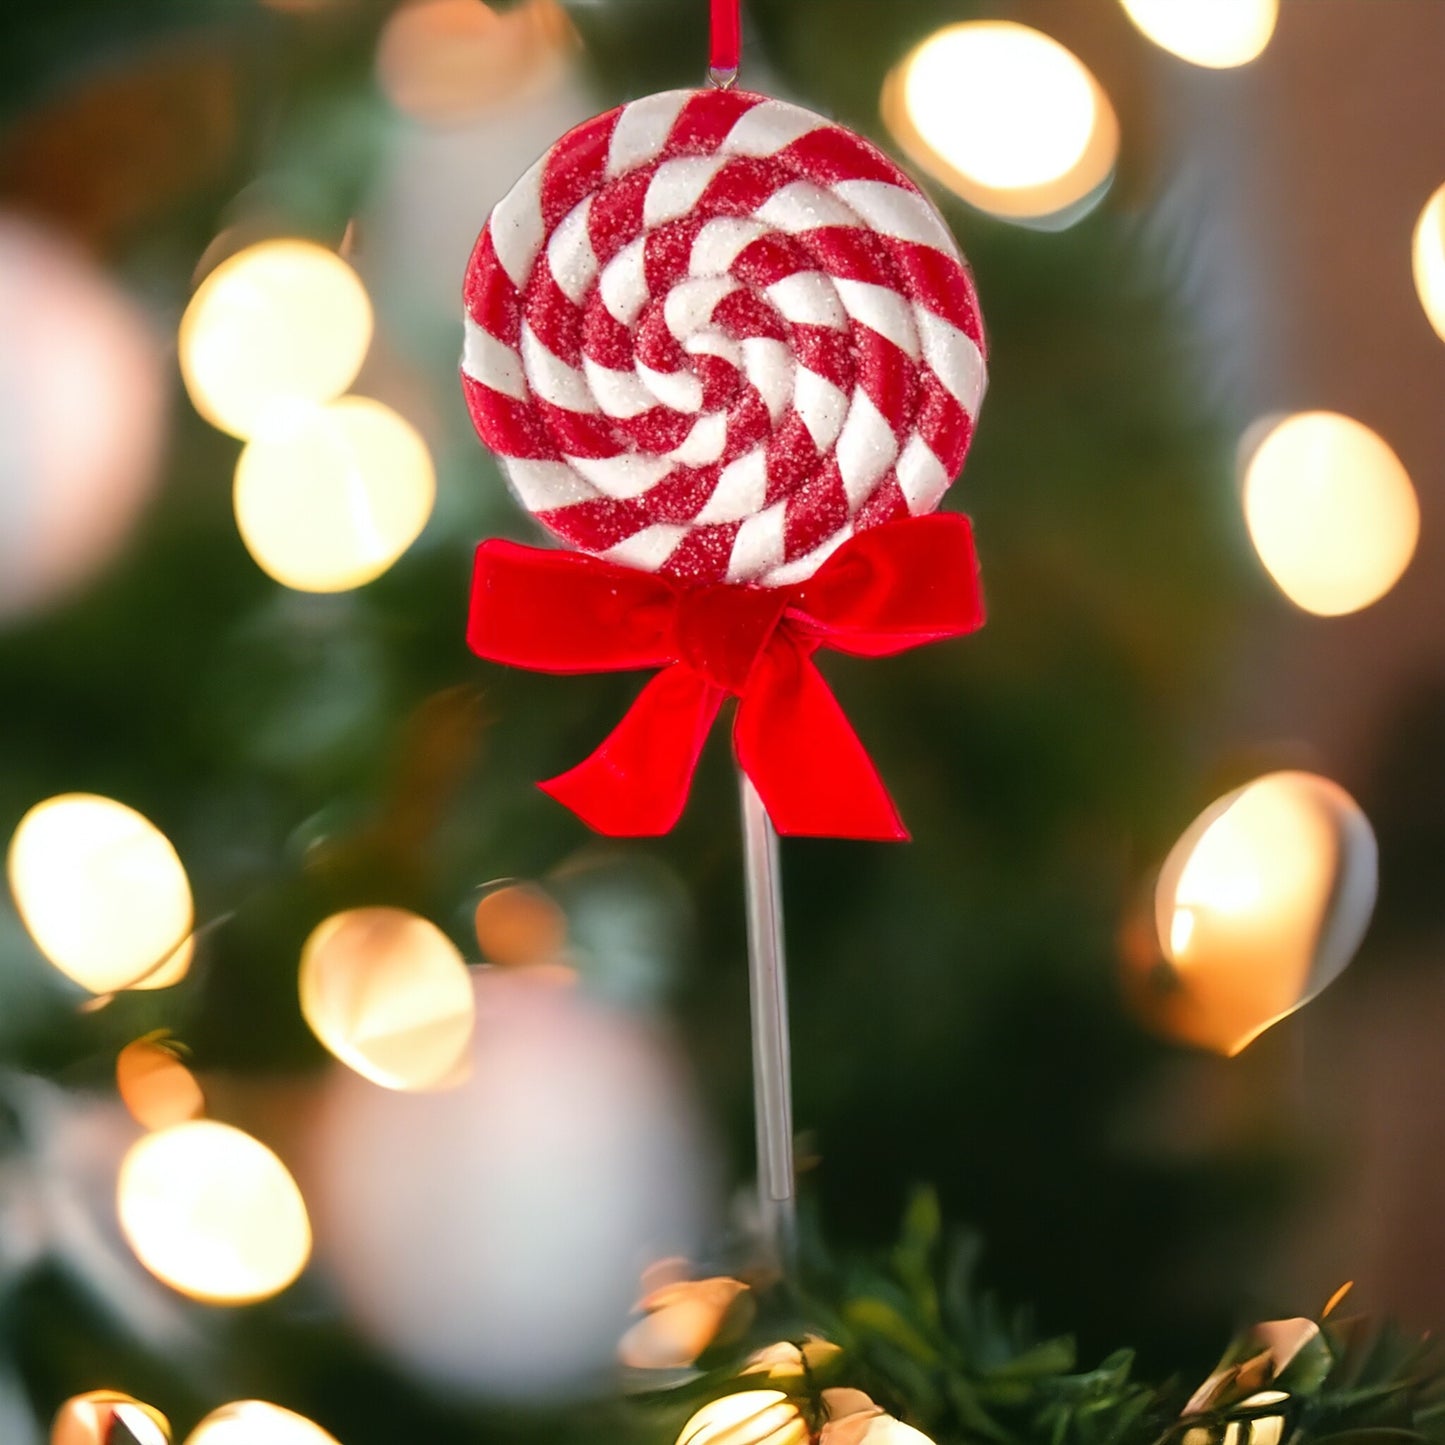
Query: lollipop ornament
{"type": "Point", "coordinates": [730, 357]}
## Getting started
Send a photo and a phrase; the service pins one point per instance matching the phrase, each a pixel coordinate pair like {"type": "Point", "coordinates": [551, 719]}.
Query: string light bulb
{"type": "Point", "coordinates": [213, 1213]}
{"type": "Point", "coordinates": [1330, 510]}
{"type": "Point", "coordinates": [328, 497]}
{"type": "Point", "coordinates": [389, 995]}
{"type": "Point", "coordinates": [282, 321]}
{"type": "Point", "coordinates": [749, 1417]}
{"type": "Point", "coordinates": [102, 892]}
{"type": "Point", "coordinates": [1006, 117]}
{"type": "Point", "coordinates": [1260, 905]}
{"type": "Point", "coordinates": [1217, 34]}
{"type": "Point", "coordinates": [100, 1417]}
{"type": "Point", "coordinates": [257, 1422]}
{"type": "Point", "coordinates": [1427, 254]}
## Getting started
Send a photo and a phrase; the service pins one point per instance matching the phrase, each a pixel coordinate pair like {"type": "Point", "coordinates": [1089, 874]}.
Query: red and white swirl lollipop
{"type": "Point", "coordinates": [713, 336]}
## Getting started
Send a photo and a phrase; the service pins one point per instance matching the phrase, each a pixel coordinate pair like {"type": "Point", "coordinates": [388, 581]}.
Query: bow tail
{"type": "Point", "coordinates": [813, 774]}
{"type": "Point", "coordinates": [635, 784]}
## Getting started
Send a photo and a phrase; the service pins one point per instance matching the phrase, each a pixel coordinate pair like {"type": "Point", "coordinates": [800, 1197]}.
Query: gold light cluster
{"type": "Point", "coordinates": [774, 1417]}
{"type": "Point", "coordinates": [329, 489]}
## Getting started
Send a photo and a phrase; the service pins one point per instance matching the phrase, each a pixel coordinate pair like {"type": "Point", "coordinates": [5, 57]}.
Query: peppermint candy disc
{"type": "Point", "coordinates": [713, 335]}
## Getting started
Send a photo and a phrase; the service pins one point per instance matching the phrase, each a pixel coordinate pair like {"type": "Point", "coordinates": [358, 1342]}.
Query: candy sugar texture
{"type": "Point", "coordinates": [714, 335]}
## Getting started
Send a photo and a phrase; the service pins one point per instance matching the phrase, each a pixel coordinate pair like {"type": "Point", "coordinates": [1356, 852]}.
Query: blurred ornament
{"type": "Point", "coordinates": [1331, 511]}
{"type": "Point", "coordinates": [445, 61]}
{"type": "Point", "coordinates": [106, 1417]}
{"type": "Point", "coordinates": [282, 321]}
{"type": "Point", "coordinates": [213, 1213]}
{"type": "Point", "coordinates": [256, 1422]}
{"type": "Point", "coordinates": [389, 995]}
{"type": "Point", "coordinates": [1427, 253]}
{"type": "Point", "coordinates": [82, 417]}
{"type": "Point", "coordinates": [1007, 118]}
{"type": "Point", "coordinates": [328, 497]}
{"type": "Point", "coordinates": [485, 1235]}
{"type": "Point", "coordinates": [155, 1086]}
{"type": "Point", "coordinates": [750, 1417]}
{"type": "Point", "coordinates": [1218, 34]}
{"type": "Point", "coordinates": [520, 924]}
{"type": "Point", "coordinates": [1260, 905]}
{"type": "Point", "coordinates": [102, 892]}
{"type": "Point", "coordinates": [682, 1319]}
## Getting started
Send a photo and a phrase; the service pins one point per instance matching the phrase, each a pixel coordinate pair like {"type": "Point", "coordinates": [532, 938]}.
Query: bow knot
{"type": "Point", "coordinates": [883, 591]}
{"type": "Point", "coordinates": [723, 631]}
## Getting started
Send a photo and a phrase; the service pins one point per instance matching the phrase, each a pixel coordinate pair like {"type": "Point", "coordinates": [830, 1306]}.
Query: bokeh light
{"type": "Point", "coordinates": [257, 1422]}
{"type": "Point", "coordinates": [82, 412]}
{"type": "Point", "coordinates": [93, 1418]}
{"type": "Point", "coordinates": [444, 61]}
{"type": "Point", "coordinates": [282, 321]}
{"type": "Point", "coordinates": [1260, 905]}
{"type": "Point", "coordinates": [389, 995]}
{"type": "Point", "coordinates": [1218, 34]}
{"type": "Point", "coordinates": [1427, 255]}
{"type": "Point", "coordinates": [682, 1319]}
{"type": "Point", "coordinates": [1006, 117]}
{"type": "Point", "coordinates": [328, 497]}
{"type": "Point", "coordinates": [750, 1417]}
{"type": "Point", "coordinates": [520, 924]}
{"type": "Point", "coordinates": [155, 1086]}
{"type": "Point", "coordinates": [1331, 511]}
{"type": "Point", "coordinates": [213, 1212]}
{"type": "Point", "coordinates": [103, 893]}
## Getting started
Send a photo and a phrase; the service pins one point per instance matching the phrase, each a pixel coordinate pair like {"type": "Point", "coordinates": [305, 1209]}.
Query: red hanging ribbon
{"type": "Point", "coordinates": [885, 590]}
{"type": "Point", "coordinates": [725, 50]}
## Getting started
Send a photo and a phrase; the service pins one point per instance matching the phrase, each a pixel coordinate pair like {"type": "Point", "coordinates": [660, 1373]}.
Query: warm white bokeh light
{"type": "Point", "coordinates": [389, 995]}
{"type": "Point", "coordinates": [257, 1422]}
{"type": "Point", "coordinates": [1427, 255]}
{"type": "Point", "coordinates": [328, 497]}
{"type": "Point", "coordinates": [213, 1212]}
{"type": "Point", "coordinates": [156, 1088]}
{"type": "Point", "coordinates": [1261, 904]}
{"type": "Point", "coordinates": [1006, 117]}
{"type": "Point", "coordinates": [1331, 512]}
{"type": "Point", "coordinates": [283, 320]}
{"type": "Point", "coordinates": [1219, 34]}
{"type": "Point", "coordinates": [750, 1417]}
{"type": "Point", "coordinates": [102, 892]}
{"type": "Point", "coordinates": [92, 1418]}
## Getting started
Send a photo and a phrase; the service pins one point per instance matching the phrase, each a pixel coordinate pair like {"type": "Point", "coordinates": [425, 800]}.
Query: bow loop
{"type": "Point", "coordinates": [883, 591]}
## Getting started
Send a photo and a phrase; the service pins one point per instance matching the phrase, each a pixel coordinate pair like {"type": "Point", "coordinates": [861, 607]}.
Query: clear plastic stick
{"type": "Point", "coordinates": [772, 1068]}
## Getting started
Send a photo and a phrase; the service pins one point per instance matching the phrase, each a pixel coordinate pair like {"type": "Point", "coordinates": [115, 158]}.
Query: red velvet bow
{"type": "Point", "coordinates": [883, 591]}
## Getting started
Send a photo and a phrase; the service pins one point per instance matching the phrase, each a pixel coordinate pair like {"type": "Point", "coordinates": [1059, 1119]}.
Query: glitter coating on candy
{"type": "Point", "coordinates": [713, 335]}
